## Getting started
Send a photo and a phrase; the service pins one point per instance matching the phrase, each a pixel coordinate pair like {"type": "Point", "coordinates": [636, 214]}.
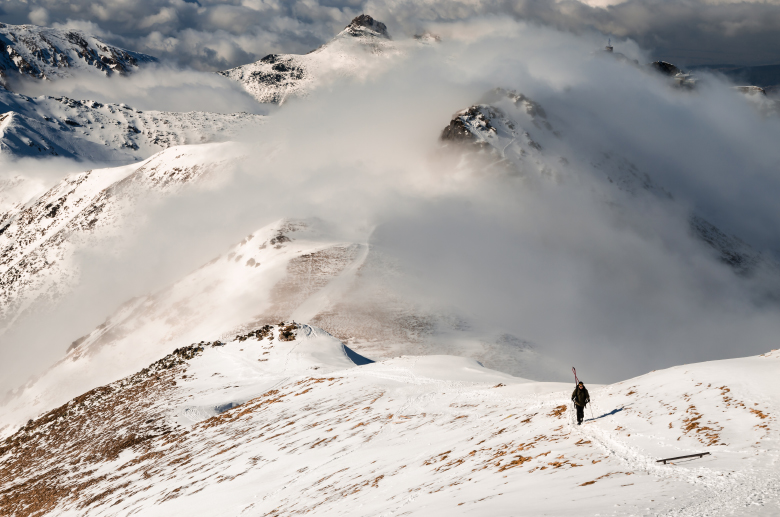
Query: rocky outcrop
{"type": "Point", "coordinates": [366, 26]}
{"type": "Point", "coordinates": [681, 78]}
{"type": "Point", "coordinates": [665, 68]}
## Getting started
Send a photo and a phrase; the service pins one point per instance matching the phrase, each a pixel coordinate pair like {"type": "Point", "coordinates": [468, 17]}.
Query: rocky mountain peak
{"type": "Point", "coordinates": [365, 25]}
{"type": "Point", "coordinates": [278, 77]}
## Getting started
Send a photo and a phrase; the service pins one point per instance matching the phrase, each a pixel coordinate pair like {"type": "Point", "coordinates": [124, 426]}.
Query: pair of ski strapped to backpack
{"type": "Point", "coordinates": [577, 383]}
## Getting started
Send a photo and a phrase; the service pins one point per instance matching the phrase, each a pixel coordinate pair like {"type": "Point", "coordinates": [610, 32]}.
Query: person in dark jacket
{"type": "Point", "coordinates": [580, 397]}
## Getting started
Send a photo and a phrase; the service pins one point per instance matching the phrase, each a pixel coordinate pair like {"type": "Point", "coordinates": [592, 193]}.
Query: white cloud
{"type": "Point", "coordinates": [39, 16]}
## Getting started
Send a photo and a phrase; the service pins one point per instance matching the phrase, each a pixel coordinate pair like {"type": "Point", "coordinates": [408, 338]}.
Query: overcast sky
{"type": "Point", "coordinates": [218, 34]}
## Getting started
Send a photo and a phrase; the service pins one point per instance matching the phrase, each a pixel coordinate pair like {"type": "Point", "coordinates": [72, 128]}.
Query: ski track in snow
{"type": "Point", "coordinates": [715, 494]}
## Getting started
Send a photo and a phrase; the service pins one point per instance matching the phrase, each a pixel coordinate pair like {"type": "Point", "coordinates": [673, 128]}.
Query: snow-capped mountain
{"type": "Point", "coordinates": [285, 419]}
{"type": "Point", "coordinates": [104, 133]}
{"type": "Point", "coordinates": [87, 130]}
{"type": "Point", "coordinates": [510, 132]}
{"type": "Point", "coordinates": [278, 77]}
{"type": "Point", "coordinates": [46, 53]}
{"type": "Point", "coordinates": [517, 134]}
{"type": "Point", "coordinates": [37, 240]}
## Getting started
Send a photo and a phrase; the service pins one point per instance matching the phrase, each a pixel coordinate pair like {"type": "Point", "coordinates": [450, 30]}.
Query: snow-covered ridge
{"type": "Point", "coordinates": [277, 77]}
{"type": "Point", "coordinates": [287, 270]}
{"type": "Point", "coordinates": [284, 419]}
{"type": "Point", "coordinates": [45, 53]}
{"type": "Point", "coordinates": [104, 133]}
{"type": "Point", "coordinates": [37, 240]}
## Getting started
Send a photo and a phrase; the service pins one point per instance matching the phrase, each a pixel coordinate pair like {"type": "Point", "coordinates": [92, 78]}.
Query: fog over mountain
{"type": "Point", "coordinates": [563, 259]}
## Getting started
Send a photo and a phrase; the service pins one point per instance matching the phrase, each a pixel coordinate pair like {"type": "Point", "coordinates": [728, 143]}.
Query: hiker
{"type": "Point", "coordinates": [580, 397]}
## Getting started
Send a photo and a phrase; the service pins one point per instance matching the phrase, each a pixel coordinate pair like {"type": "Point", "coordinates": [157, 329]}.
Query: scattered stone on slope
{"type": "Point", "coordinates": [427, 37]}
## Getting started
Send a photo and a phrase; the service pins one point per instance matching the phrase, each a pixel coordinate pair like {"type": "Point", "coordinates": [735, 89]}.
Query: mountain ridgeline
{"type": "Point", "coordinates": [278, 77]}
{"type": "Point", "coordinates": [46, 54]}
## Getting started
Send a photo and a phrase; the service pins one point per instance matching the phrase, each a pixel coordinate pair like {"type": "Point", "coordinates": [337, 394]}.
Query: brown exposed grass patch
{"type": "Point", "coordinates": [760, 414]}
{"type": "Point", "coordinates": [558, 411]}
{"type": "Point", "coordinates": [704, 433]}
{"type": "Point", "coordinates": [517, 462]}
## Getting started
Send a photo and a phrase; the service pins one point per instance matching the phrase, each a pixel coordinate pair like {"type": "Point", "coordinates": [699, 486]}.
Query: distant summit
{"type": "Point", "coordinates": [681, 78]}
{"type": "Point", "coordinates": [365, 25]}
{"type": "Point", "coordinates": [278, 77]}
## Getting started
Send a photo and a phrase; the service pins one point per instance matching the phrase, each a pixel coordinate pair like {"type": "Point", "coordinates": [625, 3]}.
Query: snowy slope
{"type": "Point", "coordinates": [104, 133]}
{"type": "Point", "coordinates": [353, 53]}
{"type": "Point", "coordinates": [282, 421]}
{"type": "Point", "coordinates": [37, 240]}
{"type": "Point", "coordinates": [45, 53]}
{"type": "Point", "coordinates": [288, 270]}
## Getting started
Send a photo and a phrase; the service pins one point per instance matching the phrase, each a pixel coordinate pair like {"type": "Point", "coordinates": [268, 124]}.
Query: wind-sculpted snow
{"type": "Point", "coordinates": [278, 77]}
{"type": "Point", "coordinates": [280, 421]}
{"type": "Point", "coordinates": [45, 53]}
{"type": "Point", "coordinates": [37, 240]}
{"type": "Point", "coordinates": [104, 133]}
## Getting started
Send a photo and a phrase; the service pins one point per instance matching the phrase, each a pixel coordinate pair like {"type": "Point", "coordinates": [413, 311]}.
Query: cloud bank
{"type": "Point", "coordinates": [215, 35]}
{"type": "Point", "coordinates": [155, 87]}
